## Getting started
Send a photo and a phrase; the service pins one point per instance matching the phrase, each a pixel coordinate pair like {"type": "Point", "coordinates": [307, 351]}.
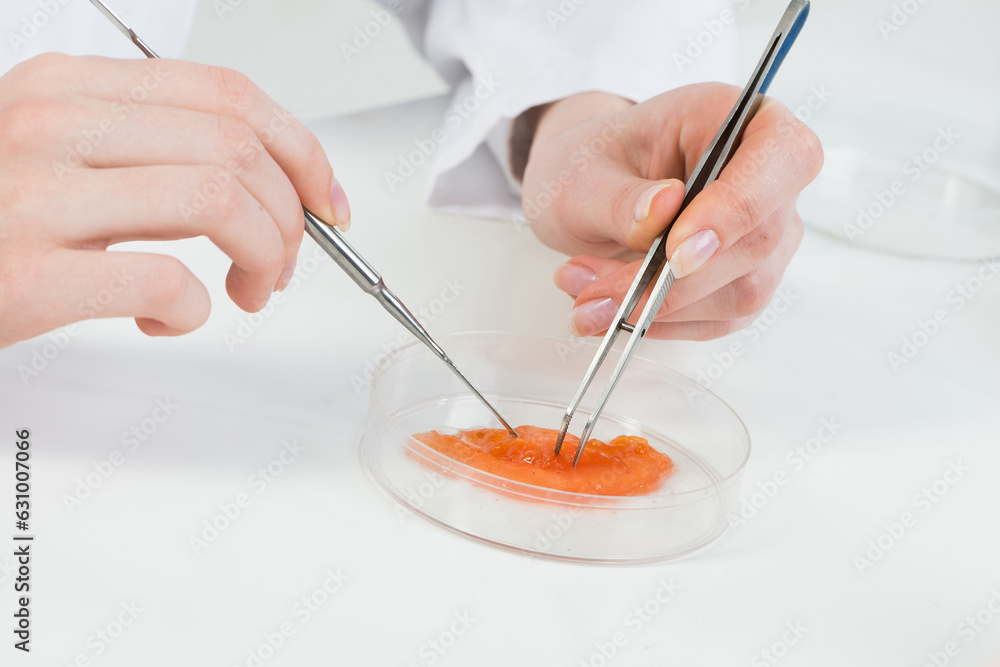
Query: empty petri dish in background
{"type": "Point", "coordinates": [530, 379]}
{"type": "Point", "coordinates": [907, 182]}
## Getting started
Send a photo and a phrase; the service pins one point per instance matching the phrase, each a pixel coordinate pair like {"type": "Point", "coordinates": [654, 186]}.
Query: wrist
{"type": "Point", "coordinates": [543, 122]}
{"type": "Point", "coordinates": [571, 111]}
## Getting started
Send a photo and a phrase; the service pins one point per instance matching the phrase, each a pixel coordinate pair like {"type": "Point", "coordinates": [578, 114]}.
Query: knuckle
{"type": "Point", "coordinates": [239, 143]}
{"type": "Point", "coordinates": [166, 284]}
{"type": "Point", "coordinates": [235, 88]}
{"type": "Point", "coordinates": [620, 204]}
{"type": "Point", "coordinates": [766, 238]}
{"type": "Point", "coordinates": [21, 199]}
{"type": "Point", "coordinates": [739, 324]}
{"type": "Point", "coordinates": [752, 293]}
{"type": "Point", "coordinates": [45, 64]}
{"type": "Point", "coordinates": [23, 121]}
{"type": "Point", "coordinates": [712, 330]}
{"type": "Point", "coordinates": [226, 205]}
{"type": "Point", "coordinates": [318, 160]}
{"type": "Point", "coordinates": [795, 229]}
{"type": "Point", "coordinates": [19, 272]}
{"type": "Point", "coordinates": [807, 149]}
{"type": "Point", "coordinates": [723, 328]}
{"type": "Point", "coordinates": [740, 208]}
{"type": "Point", "coordinates": [272, 259]}
{"type": "Point", "coordinates": [291, 223]}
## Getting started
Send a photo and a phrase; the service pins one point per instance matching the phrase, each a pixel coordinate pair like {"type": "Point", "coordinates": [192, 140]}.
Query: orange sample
{"type": "Point", "coordinates": [626, 466]}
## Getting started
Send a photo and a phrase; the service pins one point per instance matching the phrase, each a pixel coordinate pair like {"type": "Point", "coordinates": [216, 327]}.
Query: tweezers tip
{"type": "Point", "coordinates": [563, 430]}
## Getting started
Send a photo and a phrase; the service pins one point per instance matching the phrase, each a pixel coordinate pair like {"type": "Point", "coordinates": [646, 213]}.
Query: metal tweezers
{"type": "Point", "coordinates": [655, 268]}
{"type": "Point", "coordinates": [346, 257]}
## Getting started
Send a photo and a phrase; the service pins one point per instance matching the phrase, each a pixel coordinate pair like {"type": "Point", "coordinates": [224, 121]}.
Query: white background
{"type": "Point", "coordinates": [794, 562]}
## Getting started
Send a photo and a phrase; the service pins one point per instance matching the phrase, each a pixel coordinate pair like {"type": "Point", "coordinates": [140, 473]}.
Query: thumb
{"type": "Point", "coordinates": [622, 207]}
{"type": "Point", "coordinates": [655, 207]}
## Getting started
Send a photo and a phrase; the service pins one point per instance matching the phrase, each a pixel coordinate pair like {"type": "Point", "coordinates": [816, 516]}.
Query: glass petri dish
{"type": "Point", "coordinates": [907, 182]}
{"type": "Point", "coordinates": [529, 379]}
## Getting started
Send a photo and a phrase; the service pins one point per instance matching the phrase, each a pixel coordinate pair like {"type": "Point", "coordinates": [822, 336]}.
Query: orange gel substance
{"type": "Point", "coordinates": [625, 466]}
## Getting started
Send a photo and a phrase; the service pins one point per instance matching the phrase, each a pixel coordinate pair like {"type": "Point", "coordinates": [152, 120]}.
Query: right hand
{"type": "Point", "coordinates": [95, 151]}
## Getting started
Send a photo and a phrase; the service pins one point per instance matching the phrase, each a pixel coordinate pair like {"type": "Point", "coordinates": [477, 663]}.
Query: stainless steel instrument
{"type": "Point", "coordinates": [346, 257]}
{"type": "Point", "coordinates": [655, 270]}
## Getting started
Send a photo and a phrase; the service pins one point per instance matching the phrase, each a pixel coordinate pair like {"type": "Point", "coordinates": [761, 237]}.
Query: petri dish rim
{"type": "Point", "coordinates": [574, 559]}
{"type": "Point", "coordinates": [540, 493]}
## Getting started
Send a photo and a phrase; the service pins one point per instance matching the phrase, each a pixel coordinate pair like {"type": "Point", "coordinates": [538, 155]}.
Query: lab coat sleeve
{"type": "Point", "coordinates": [76, 27]}
{"type": "Point", "coordinates": [503, 57]}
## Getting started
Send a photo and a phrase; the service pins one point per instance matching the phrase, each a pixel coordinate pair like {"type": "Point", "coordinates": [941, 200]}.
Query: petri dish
{"type": "Point", "coordinates": [530, 379]}
{"type": "Point", "coordinates": [907, 182]}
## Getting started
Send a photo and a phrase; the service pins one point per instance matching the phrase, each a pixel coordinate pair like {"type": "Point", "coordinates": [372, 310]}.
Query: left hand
{"type": "Point", "coordinates": [605, 176]}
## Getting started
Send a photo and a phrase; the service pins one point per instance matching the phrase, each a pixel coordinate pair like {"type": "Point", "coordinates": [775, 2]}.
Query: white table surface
{"type": "Point", "coordinates": [409, 583]}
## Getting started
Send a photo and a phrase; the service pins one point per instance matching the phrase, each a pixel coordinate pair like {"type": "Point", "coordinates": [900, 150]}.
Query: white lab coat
{"type": "Point", "coordinates": [501, 57]}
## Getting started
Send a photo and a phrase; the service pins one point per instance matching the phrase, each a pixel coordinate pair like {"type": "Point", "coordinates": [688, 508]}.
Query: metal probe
{"type": "Point", "coordinates": [346, 257]}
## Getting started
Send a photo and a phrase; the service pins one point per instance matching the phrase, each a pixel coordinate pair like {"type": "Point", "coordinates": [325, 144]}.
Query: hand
{"type": "Point", "coordinates": [94, 152]}
{"type": "Point", "coordinates": [605, 176]}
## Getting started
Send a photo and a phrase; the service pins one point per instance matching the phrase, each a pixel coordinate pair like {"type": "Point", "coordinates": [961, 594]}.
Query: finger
{"type": "Point", "coordinates": [584, 271]}
{"type": "Point", "coordinates": [732, 288]}
{"type": "Point", "coordinates": [158, 291]}
{"type": "Point", "coordinates": [777, 157]}
{"type": "Point", "coordinates": [744, 298]}
{"type": "Point", "coordinates": [225, 92]}
{"type": "Point", "coordinates": [613, 207]}
{"type": "Point", "coordinates": [603, 277]}
{"type": "Point", "coordinates": [171, 136]}
{"type": "Point", "coordinates": [708, 330]}
{"type": "Point", "coordinates": [746, 257]}
{"type": "Point", "coordinates": [154, 203]}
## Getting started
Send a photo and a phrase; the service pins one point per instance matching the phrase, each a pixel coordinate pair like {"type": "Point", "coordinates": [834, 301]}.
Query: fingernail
{"type": "Point", "coordinates": [285, 278]}
{"type": "Point", "coordinates": [694, 252]}
{"type": "Point", "coordinates": [573, 278]}
{"type": "Point", "coordinates": [341, 207]}
{"type": "Point", "coordinates": [592, 317]}
{"type": "Point", "coordinates": [641, 211]}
